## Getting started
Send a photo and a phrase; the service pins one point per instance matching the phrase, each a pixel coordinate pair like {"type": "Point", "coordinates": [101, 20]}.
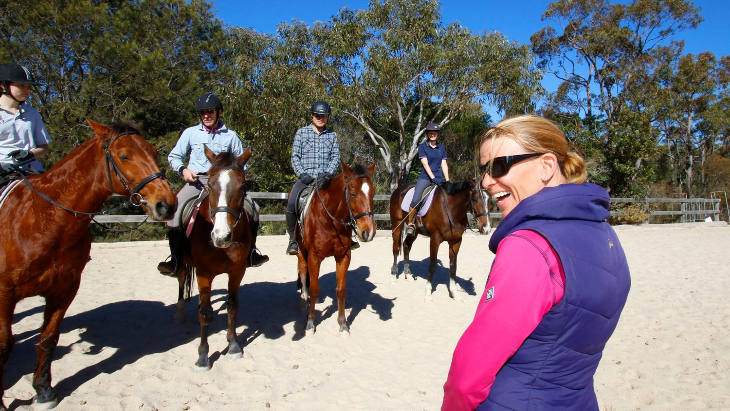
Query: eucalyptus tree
{"type": "Point", "coordinates": [600, 52]}
{"type": "Point", "coordinates": [144, 61]}
{"type": "Point", "coordinates": [395, 67]}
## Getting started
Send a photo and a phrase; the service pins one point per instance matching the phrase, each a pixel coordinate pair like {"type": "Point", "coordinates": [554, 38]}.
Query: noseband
{"type": "Point", "coordinates": [134, 196]}
{"type": "Point", "coordinates": [352, 222]}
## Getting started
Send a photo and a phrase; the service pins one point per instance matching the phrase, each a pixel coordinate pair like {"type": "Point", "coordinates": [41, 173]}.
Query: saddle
{"type": "Point", "coordinates": [303, 201]}
{"type": "Point", "coordinates": [425, 200]}
{"type": "Point", "coordinates": [10, 177]}
{"type": "Point", "coordinates": [192, 205]}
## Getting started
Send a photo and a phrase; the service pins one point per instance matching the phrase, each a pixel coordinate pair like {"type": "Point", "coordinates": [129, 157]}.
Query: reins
{"type": "Point", "coordinates": [352, 221]}
{"type": "Point", "coordinates": [110, 164]}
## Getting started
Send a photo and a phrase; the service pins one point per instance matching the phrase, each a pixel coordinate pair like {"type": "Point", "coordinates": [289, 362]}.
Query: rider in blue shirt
{"type": "Point", "coordinates": [433, 170]}
{"type": "Point", "coordinates": [213, 133]}
{"type": "Point", "coordinates": [23, 136]}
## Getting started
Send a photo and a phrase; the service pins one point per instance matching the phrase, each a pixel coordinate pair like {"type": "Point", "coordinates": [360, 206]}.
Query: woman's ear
{"type": "Point", "coordinates": [549, 167]}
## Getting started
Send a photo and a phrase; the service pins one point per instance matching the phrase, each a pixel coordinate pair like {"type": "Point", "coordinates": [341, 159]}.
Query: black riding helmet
{"type": "Point", "coordinates": [208, 100]}
{"type": "Point", "coordinates": [433, 127]}
{"type": "Point", "coordinates": [321, 108]}
{"type": "Point", "coordinates": [15, 73]}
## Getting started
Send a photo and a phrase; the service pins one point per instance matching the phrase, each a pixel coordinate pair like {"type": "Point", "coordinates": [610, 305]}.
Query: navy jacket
{"type": "Point", "coordinates": [554, 367]}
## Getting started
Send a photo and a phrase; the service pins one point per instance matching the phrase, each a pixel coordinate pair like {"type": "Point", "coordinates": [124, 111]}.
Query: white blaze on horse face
{"type": "Point", "coordinates": [221, 229]}
{"type": "Point", "coordinates": [365, 188]}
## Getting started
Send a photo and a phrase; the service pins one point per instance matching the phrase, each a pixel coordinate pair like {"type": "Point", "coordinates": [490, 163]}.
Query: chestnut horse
{"type": "Point", "coordinates": [219, 242]}
{"type": "Point", "coordinates": [446, 220]}
{"type": "Point", "coordinates": [44, 226]}
{"type": "Point", "coordinates": [345, 204]}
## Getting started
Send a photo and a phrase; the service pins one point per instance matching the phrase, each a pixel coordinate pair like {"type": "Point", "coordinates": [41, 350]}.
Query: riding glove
{"type": "Point", "coordinates": [306, 178]}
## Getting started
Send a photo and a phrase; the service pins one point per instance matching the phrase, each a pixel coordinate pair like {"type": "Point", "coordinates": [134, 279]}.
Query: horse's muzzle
{"type": "Point", "coordinates": [164, 211]}
{"type": "Point", "coordinates": [367, 235]}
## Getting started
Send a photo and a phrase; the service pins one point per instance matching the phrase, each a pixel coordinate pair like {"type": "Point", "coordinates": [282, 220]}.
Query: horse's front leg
{"type": "Point", "coordinates": [234, 282]}
{"type": "Point", "coordinates": [7, 341]}
{"type": "Point", "coordinates": [453, 253]}
{"type": "Point", "coordinates": [303, 279]}
{"type": "Point", "coordinates": [432, 263]}
{"type": "Point", "coordinates": [205, 316]}
{"type": "Point", "coordinates": [397, 235]}
{"type": "Point", "coordinates": [343, 263]}
{"type": "Point", "coordinates": [46, 397]}
{"type": "Point", "coordinates": [179, 317]}
{"type": "Point", "coordinates": [313, 264]}
{"type": "Point", "coordinates": [407, 244]}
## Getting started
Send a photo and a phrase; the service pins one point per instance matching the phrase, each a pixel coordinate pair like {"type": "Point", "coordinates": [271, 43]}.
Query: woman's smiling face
{"type": "Point", "coordinates": [523, 179]}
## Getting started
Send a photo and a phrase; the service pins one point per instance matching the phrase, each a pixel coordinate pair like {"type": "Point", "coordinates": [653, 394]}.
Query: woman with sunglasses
{"type": "Point", "coordinates": [213, 133]}
{"type": "Point", "coordinates": [557, 286]}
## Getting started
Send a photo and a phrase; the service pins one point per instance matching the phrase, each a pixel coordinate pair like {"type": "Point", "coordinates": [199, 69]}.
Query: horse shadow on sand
{"type": "Point", "coordinates": [265, 309]}
{"type": "Point", "coordinates": [419, 269]}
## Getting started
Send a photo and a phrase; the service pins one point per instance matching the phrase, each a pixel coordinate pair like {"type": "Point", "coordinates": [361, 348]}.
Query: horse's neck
{"type": "Point", "coordinates": [333, 197]}
{"type": "Point", "coordinates": [79, 181]}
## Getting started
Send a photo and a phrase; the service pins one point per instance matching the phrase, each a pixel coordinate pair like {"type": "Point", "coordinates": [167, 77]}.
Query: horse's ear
{"type": "Point", "coordinates": [243, 158]}
{"type": "Point", "coordinates": [346, 170]}
{"type": "Point", "coordinates": [210, 154]}
{"type": "Point", "coordinates": [371, 170]}
{"type": "Point", "coordinates": [100, 130]}
{"type": "Point", "coordinates": [472, 182]}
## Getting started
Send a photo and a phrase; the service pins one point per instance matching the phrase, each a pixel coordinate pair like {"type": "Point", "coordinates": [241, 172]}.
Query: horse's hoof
{"type": "Point", "coordinates": [309, 329]}
{"type": "Point", "coordinates": [201, 368]}
{"type": "Point", "coordinates": [234, 356]}
{"type": "Point", "coordinates": [345, 331]}
{"type": "Point", "coordinates": [41, 406]}
{"type": "Point", "coordinates": [393, 279]}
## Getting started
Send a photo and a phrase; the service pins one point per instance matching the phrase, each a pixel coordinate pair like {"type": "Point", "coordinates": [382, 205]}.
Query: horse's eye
{"type": "Point", "coordinates": [124, 158]}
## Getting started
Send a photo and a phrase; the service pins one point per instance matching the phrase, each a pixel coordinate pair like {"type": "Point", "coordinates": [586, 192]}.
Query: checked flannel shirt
{"type": "Point", "coordinates": [314, 153]}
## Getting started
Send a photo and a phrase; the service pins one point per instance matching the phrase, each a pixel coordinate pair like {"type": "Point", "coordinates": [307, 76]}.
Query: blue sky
{"type": "Point", "coordinates": [517, 20]}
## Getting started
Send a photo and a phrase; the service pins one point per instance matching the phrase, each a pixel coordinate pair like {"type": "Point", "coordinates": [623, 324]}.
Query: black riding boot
{"type": "Point", "coordinates": [291, 228]}
{"type": "Point", "coordinates": [255, 258]}
{"type": "Point", "coordinates": [176, 239]}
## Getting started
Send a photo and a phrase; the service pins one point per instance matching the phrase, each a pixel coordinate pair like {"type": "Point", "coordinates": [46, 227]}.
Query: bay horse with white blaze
{"type": "Point", "coordinates": [44, 227]}
{"type": "Point", "coordinates": [346, 204]}
{"type": "Point", "coordinates": [446, 220]}
{"type": "Point", "coordinates": [219, 242]}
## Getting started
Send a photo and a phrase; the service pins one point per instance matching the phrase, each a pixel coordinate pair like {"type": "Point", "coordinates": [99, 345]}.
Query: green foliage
{"type": "Point", "coordinates": [629, 214]}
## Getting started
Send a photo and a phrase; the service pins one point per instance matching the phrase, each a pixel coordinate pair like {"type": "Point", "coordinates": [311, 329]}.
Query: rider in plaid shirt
{"type": "Point", "coordinates": [315, 155]}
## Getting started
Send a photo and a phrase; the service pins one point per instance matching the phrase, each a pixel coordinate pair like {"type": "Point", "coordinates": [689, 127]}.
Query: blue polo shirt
{"type": "Point", "coordinates": [434, 157]}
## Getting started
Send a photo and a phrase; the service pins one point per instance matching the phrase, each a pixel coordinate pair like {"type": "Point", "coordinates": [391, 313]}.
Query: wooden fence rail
{"type": "Point", "coordinates": [690, 209]}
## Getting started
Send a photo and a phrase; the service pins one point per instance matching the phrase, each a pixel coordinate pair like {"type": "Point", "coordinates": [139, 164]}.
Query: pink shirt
{"type": "Point", "coordinates": [519, 292]}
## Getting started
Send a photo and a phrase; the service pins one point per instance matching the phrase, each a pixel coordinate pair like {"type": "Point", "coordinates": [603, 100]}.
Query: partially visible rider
{"type": "Point", "coordinates": [315, 156]}
{"type": "Point", "coordinates": [433, 170]}
{"type": "Point", "coordinates": [213, 133]}
{"type": "Point", "coordinates": [23, 136]}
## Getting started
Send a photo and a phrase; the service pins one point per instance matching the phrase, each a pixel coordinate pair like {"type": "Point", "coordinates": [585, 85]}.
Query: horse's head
{"type": "Point", "coordinates": [226, 185]}
{"type": "Point", "coordinates": [479, 205]}
{"type": "Point", "coordinates": [359, 194]}
{"type": "Point", "coordinates": [131, 166]}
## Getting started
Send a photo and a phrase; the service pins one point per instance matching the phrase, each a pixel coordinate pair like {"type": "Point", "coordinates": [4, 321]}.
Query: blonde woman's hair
{"type": "Point", "coordinates": [538, 135]}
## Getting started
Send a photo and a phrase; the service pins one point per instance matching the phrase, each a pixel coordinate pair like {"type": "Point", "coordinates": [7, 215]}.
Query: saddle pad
{"type": "Point", "coordinates": [305, 198]}
{"type": "Point", "coordinates": [406, 203]}
{"type": "Point", "coordinates": [6, 190]}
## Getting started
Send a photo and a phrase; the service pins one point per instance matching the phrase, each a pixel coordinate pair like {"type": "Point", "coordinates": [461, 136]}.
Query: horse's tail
{"type": "Point", "coordinates": [188, 281]}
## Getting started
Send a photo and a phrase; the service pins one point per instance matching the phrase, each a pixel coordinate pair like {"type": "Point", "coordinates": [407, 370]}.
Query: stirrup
{"type": "Point", "coordinates": [167, 268]}
{"type": "Point", "coordinates": [410, 229]}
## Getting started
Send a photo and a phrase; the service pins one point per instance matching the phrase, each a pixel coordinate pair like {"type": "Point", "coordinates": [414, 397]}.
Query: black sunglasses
{"type": "Point", "coordinates": [501, 165]}
{"type": "Point", "coordinates": [207, 111]}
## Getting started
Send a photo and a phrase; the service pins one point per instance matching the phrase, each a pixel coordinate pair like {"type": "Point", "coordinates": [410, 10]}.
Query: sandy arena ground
{"type": "Point", "coordinates": [119, 349]}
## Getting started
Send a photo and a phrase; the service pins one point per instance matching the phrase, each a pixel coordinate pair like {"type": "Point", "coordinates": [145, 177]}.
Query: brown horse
{"type": "Point", "coordinates": [44, 226]}
{"type": "Point", "coordinates": [219, 242]}
{"type": "Point", "coordinates": [345, 204]}
{"type": "Point", "coordinates": [446, 220]}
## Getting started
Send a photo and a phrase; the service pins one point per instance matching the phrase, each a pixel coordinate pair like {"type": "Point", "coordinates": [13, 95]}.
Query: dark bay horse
{"type": "Point", "coordinates": [219, 242]}
{"type": "Point", "coordinates": [46, 241]}
{"type": "Point", "coordinates": [345, 204]}
{"type": "Point", "coordinates": [446, 220]}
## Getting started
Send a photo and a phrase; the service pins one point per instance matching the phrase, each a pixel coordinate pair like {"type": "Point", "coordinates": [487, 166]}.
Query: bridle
{"type": "Point", "coordinates": [351, 219]}
{"type": "Point", "coordinates": [234, 213]}
{"type": "Point", "coordinates": [135, 198]}
{"type": "Point", "coordinates": [481, 200]}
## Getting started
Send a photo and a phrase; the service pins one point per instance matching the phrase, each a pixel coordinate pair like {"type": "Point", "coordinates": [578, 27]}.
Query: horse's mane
{"type": "Point", "coordinates": [124, 127]}
{"type": "Point", "coordinates": [359, 169]}
{"type": "Point", "coordinates": [224, 161]}
{"type": "Point", "coordinates": [460, 186]}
